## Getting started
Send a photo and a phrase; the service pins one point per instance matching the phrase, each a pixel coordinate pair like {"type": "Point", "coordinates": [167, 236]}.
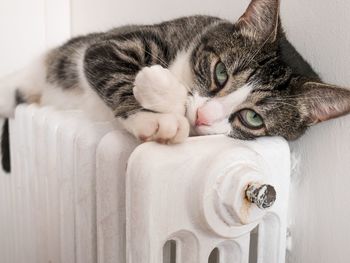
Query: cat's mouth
{"type": "Point", "coordinates": [199, 127]}
{"type": "Point", "coordinates": [222, 127]}
{"type": "Point", "coordinates": [196, 128]}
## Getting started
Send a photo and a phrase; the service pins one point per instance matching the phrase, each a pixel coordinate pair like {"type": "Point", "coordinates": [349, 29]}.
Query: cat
{"type": "Point", "coordinates": [196, 75]}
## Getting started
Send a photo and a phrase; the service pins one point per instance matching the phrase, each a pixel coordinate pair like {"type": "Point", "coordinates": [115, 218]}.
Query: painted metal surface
{"type": "Point", "coordinates": [194, 193]}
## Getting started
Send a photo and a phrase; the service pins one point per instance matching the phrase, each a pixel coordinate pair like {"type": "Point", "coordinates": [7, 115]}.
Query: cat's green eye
{"type": "Point", "coordinates": [220, 74]}
{"type": "Point", "coordinates": [251, 119]}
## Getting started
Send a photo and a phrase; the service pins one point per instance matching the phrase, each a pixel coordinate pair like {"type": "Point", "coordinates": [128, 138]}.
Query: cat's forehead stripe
{"type": "Point", "coordinates": [236, 98]}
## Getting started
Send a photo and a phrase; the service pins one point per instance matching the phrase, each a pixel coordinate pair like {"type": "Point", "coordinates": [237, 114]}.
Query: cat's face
{"type": "Point", "coordinates": [245, 87]}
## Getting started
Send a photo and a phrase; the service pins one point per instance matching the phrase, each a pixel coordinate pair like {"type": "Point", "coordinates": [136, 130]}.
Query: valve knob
{"type": "Point", "coordinates": [264, 196]}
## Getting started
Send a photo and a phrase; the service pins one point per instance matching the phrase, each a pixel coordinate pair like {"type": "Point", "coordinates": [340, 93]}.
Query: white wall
{"type": "Point", "coordinates": [320, 211]}
{"type": "Point", "coordinates": [96, 15]}
{"type": "Point", "coordinates": [22, 29]}
{"type": "Point", "coordinates": [28, 28]}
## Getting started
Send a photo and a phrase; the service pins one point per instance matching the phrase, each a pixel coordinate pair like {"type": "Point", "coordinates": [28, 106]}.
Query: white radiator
{"type": "Point", "coordinates": [81, 193]}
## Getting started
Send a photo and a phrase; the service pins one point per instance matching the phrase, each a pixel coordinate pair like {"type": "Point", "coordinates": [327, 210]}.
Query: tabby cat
{"type": "Point", "coordinates": [195, 75]}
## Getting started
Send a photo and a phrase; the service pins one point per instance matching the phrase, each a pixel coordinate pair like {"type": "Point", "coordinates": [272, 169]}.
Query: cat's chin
{"type": "Point", "coordinates": [195, 131]}
{"type": "Point", "coordinates": [203, 130]}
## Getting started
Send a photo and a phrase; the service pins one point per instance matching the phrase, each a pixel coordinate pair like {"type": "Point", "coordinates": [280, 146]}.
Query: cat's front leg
{"type": "Point", "coordinates": [157, 89]}
{"type": "Point", "coordinates": [146, 115]}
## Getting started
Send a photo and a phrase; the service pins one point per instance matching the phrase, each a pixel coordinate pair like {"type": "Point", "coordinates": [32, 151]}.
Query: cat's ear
{"type": "Point", "coordinates": [320, 102]}
{"type": "Point", "coordinates": [260, 20]}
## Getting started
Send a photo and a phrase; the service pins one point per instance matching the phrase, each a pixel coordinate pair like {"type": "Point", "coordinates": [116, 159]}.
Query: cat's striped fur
{"type": "Point", "coordinates": [112, 59]}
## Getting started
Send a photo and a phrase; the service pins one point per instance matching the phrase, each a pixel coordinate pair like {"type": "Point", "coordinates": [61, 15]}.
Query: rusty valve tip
{"type": "Point", "coordinates": [264, 196]}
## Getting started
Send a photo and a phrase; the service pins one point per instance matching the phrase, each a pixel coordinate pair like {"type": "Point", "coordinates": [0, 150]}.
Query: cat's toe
{"type": "Point", "coordinates": [183, 130]}
{"type": "Point", "coordinates": [172, 129]}
{"type": "Point", "coordinates": [167, 128]}
{"type": "Point", "coordinates": [163, 128]}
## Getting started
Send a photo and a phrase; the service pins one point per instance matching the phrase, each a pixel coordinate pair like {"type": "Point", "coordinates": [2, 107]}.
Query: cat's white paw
{"type": "Point", "coordinates": [157, 89]}
{"type": "Point", "coordinates": [164, 128]}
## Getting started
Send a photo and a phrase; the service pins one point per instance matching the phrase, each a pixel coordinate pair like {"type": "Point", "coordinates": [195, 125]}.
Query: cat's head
{"type": "Point", "coordinates": [250, 82]}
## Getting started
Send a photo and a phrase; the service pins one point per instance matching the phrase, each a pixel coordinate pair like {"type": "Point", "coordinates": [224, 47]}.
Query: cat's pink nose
{"type": "Point", "coordinates": [201, 118]}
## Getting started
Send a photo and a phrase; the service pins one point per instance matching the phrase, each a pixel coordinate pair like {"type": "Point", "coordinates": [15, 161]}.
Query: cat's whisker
{"type": "Point", "coordinates": [258, 50]}
{"type": "Point", "coordinates": [302, 98]}
{"type": "Point", "coordinates": [149, 53]}
{"type": "Point", "coordinates": [283, 103]}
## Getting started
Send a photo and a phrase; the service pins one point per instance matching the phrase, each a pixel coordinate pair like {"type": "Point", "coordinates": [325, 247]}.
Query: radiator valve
{"type": "Point", "coordinates": [264, 196]}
